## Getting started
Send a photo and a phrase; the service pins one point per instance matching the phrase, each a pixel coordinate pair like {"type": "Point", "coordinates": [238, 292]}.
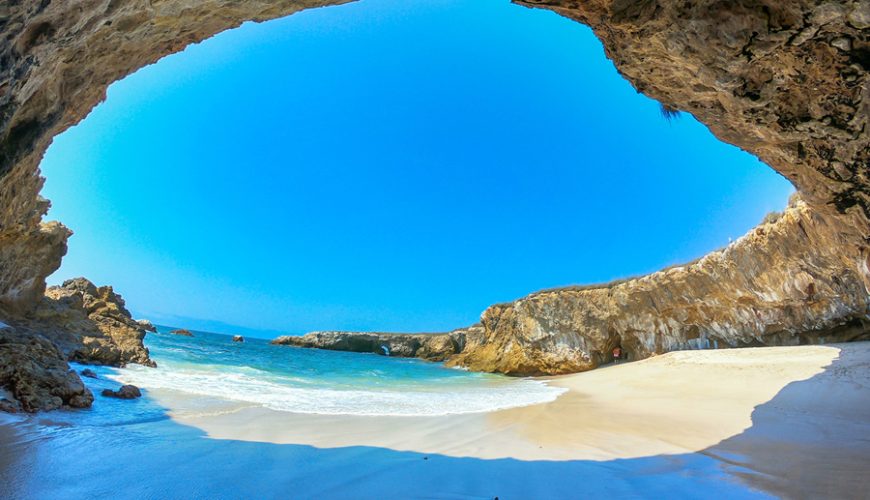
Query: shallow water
{"type": "Point", "coordinates": [137, 449]}
{"type": "Point", "coordinates": [210, 367]}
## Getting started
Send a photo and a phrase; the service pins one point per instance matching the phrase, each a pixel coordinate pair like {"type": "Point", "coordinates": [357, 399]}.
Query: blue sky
{"type": "Point", "coordinates": [387, 165]}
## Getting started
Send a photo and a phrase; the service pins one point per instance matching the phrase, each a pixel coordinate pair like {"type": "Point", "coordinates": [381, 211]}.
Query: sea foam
{"type": "Point", "coordinates": [206, 370]}
{"type": "Point", "coordinates": [286, 395]}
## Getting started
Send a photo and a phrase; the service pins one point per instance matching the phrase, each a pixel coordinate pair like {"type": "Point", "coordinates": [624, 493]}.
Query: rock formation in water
{"type": "Point", "coordinates": [182, 331]}
{"type": "Point", "coordinates": [146, 325]}
{"type": "Point", "coordinates": [429, 346]}
{"type": "Point", "coordinates": [124, 392]}
{"type": "Point", "coordinates": [77, 321]}
{"type": "Point", "coordinates": [238, 338]}
{"type": "Point", "coordinates": [784, 80]}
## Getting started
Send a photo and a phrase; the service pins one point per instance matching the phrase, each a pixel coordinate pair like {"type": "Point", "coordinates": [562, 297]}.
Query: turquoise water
{"type": "Point", "coordinates": [283, 378]}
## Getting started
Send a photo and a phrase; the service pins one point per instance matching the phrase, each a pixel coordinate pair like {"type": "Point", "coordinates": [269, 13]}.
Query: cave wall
{"type": "Point", "coordinates": [783, 80]}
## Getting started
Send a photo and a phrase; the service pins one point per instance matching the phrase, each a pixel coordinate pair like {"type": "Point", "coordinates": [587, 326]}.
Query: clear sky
{"type": "Point", "coordinates": [387, 165]}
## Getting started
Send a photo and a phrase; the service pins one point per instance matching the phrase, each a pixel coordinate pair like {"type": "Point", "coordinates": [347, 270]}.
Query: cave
{"type": "Point", "coordinates": [784, 81]}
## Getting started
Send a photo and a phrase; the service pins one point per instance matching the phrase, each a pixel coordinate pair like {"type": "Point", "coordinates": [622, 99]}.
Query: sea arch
{"type": "Point", "coordinates": [785, 81]}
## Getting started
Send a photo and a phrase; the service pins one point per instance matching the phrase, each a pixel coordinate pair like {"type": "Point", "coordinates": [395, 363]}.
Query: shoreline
{"type": "Point", "coordinates": [629, 410]}
{"type": "Point", "coordinates": [754, 422]}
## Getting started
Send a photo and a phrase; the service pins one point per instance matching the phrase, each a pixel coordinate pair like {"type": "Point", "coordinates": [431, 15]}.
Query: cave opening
{"type": "Point", "coordinates": [377, 166]}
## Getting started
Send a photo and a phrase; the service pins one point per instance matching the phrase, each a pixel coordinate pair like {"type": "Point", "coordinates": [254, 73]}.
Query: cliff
{"type": "Point", "coordinates": [781, 284]}
{"type": "Point", "coordinates": [792, 281]}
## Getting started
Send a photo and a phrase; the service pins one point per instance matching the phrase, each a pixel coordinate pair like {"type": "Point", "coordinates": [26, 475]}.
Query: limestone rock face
{"type": "Point", "coordinates": [784, 283]}
{"type": "Point", "coordinates": [26, 258]}
{"type": "Point", "coordinates": [781, 284]}
{"type": "Point", "coordinates": [784, 80]}
{"type": "Point", "coordinates": [89, 324]}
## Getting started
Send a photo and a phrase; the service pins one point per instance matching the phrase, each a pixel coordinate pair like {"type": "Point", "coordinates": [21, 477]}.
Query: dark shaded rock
{"type": "Point", "coordinates": [87, 372]}
{"type": "Point", "coordinates": [9, 406]}
{"type": "Point", "coordinates": [125, 392]}
{"type": "Point", "coordinates": [35, 375]}
{"type": "Point", "coordinates": [182, 331]}
{"type": "Point", "coordinates": [238, 338]}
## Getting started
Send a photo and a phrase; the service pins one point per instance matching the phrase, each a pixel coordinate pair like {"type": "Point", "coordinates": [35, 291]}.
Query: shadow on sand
{"type": "Point", "coordinates": [124, 449]}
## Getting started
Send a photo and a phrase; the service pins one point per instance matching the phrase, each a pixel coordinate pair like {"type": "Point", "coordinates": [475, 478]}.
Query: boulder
{"type": "Point", "coordinates": [35, 376]}
{"type": "Point", "coordinates": [182, 331]}
{"type": "Point", "coordinates": [238, 338]}
{"type": "Point", "coordinates": [87, 372]}
{"type": "Point", "coordinates": [125, 392]}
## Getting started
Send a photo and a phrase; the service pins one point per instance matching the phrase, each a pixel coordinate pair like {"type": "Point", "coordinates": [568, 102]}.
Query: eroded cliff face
{"type": "Point", "coordinates": [784, 80]}
{"type": "Point", "coordinates": [784, 283]}
{"type": "Point", "coordinates": [797, 280]}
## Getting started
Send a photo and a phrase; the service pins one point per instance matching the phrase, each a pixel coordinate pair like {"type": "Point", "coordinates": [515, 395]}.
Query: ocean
{"type": "Point", "coordinates": [211, 368]}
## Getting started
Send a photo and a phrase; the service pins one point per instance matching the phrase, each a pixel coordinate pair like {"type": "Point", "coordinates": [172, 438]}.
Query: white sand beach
{"type": "Point", "coordinates": [675, 403]}
{"type": "Point", "coordinates": [782, 421]}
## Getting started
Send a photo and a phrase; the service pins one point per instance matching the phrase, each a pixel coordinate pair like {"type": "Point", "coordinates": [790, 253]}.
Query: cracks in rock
{"type": "Point", "coordinates": [745, 51]}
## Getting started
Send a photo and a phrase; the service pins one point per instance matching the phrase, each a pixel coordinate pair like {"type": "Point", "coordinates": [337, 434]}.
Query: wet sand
{"type": "Point", "coordinates": [786, 421]}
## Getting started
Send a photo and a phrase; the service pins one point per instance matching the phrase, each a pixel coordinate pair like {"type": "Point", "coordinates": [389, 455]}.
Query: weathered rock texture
{"type": "Point", "coordinates": [77, 321]}
{"type": "Point", "coordinates": [781, 284]}
{"type": "Point", "coordinates": [90, 324]}
{"type": "Point", "coordinates": [146, 325]}
{"type": "Point", "coordinates": [35, 376]}
{"type": "Point", "coordinates": [796, 280]}
{"type": "Point", "coordinates": [784, 80]}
